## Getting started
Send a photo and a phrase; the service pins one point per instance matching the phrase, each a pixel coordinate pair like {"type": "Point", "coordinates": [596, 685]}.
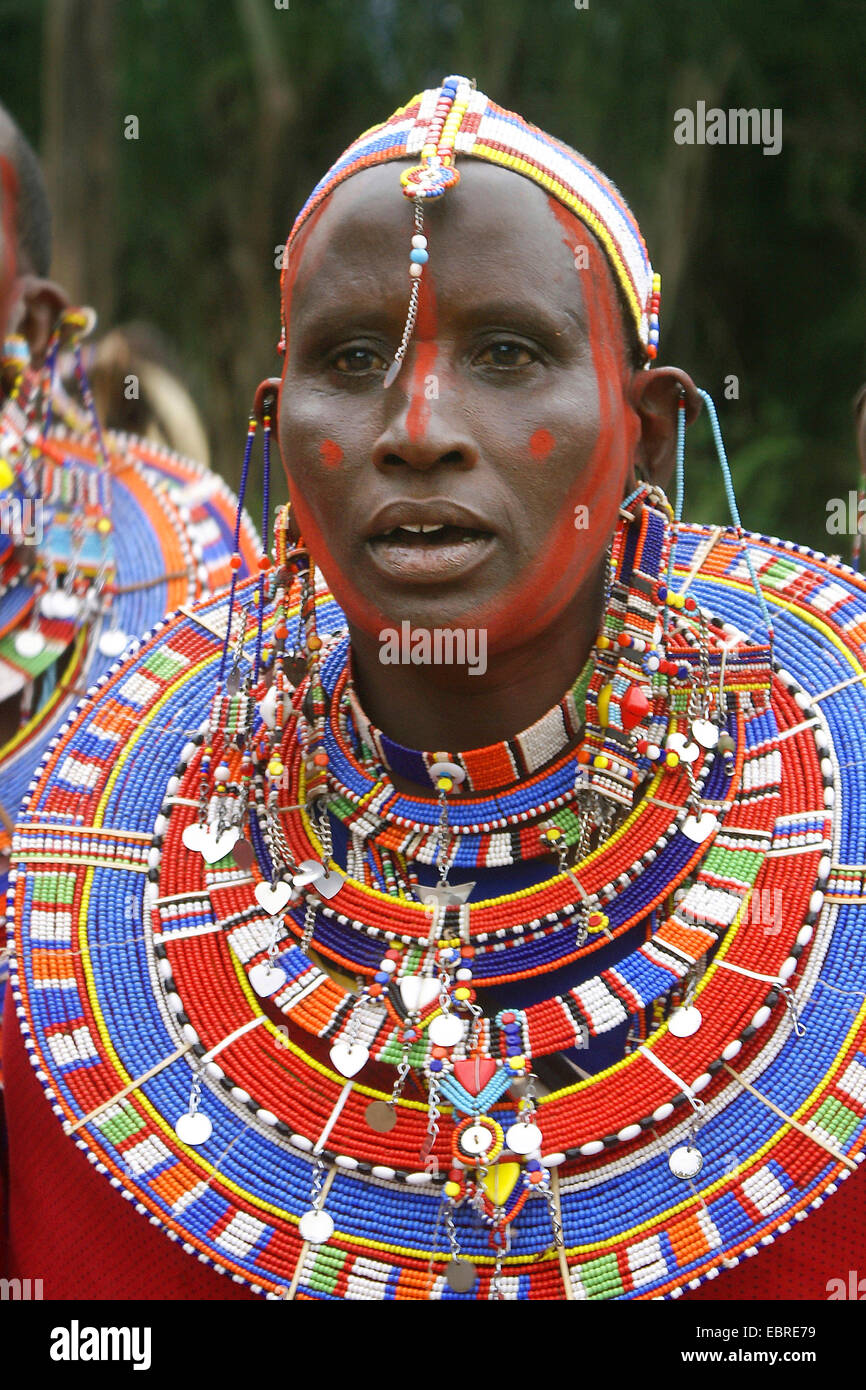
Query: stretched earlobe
{"type": "Point", "coordinates": [267, 398]}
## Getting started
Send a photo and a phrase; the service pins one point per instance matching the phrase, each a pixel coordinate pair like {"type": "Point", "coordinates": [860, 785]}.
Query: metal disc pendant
{"type": "Point", "coordinates": [461, 1275]}
{"type": "Point", "coordinates": [112, 642]}
{"type": "Point", "coordinates": [316, 1227]}
{"type": "Point", "coordinates": [705, 733]}
{"type": "Point", "coordinates": [243, 853]}
{"type": "Point", "coordinates": [193, 1129]}
{"type": "Point", "coordinates": [446, 1030]}
{"type": "Point", "coordinates": [380, 1116]}
{"type": "Point", "coordinates": [29, 643]}
{"type": "Point", "coordinates": [684, 1022]}
{"type": "Point", "coordinates": [686, 1161]}
{"type": "Point", "coordinates": [523, 1138]}
{"type": "Point", "coordinates": [233, 681]}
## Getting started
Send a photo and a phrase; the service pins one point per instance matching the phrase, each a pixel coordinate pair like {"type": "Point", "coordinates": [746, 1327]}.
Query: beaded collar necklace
{"type": "Point", "coordinates": [499, 765]}
{"type": "Point", "coordinates": [419, 1007]}
{"type": "Point", "coordinates": [285, 1120]}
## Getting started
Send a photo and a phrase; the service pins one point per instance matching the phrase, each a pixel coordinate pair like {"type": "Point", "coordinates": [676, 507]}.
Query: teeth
{"type": "Point", "coordinates": [418, 530]}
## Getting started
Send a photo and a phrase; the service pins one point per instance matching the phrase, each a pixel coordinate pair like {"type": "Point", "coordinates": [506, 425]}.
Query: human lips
{"type": "Point", "coordinates": [428, 542]}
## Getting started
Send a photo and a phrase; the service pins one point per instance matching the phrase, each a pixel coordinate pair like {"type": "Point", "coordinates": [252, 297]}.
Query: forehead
{"type": "Point", "coordinates": [494, 229]}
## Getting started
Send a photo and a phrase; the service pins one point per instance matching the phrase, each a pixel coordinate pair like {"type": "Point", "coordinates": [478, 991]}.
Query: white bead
{"type": "Point", "coordinates": [731, 1050]}
{"type": "Point", "coordinates": [630, 1132]}
{"type": "Point", "coordinates": [595, 1146]}
{"type": "Point", "coordinates": [761, 1017]}
{"type": "Point", "coordinates": [663, 1112]}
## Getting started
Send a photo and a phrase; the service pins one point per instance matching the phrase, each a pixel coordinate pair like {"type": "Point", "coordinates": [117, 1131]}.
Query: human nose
{"type": "Point", "coordinates": [424, 433]}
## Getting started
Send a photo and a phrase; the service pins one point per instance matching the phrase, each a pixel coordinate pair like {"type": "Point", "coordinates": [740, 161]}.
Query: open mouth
{"type": "Point", "coordinates": [429, 552]}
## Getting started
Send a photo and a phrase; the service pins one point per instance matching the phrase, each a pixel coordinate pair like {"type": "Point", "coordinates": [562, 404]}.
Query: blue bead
{"type": "Point", "coordinates": [435, 1064]}
{"type": "Point", "coordinates": [418, 255]}
{"type": "Point", "coordinates": [381, 977]}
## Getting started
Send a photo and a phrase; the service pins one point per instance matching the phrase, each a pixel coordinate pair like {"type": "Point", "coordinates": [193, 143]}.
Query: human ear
{"type": "Point", "coordinates": [655, 397]}
{"type": "Point", "coordinates": [39, 305]}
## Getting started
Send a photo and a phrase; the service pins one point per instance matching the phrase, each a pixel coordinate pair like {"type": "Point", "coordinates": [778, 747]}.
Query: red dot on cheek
{"type": "Point", "coordinates": [330, 453]}
{"type": "Point", "coordinates": [541, 444]}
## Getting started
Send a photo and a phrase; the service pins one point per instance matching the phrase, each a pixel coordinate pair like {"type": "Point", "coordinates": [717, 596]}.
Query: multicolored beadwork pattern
{"type": "Point", "coordinates": [130, 959]}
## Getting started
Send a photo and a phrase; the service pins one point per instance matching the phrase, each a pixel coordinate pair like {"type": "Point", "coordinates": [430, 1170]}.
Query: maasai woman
{"type": "Point", "coordinates": [494, 937]}
{"type": "Point", "coordinates": [100, 533]}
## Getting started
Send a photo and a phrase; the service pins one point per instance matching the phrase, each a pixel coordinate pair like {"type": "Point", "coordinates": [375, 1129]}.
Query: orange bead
{"type": "Point", "coordinates": [235, 561]}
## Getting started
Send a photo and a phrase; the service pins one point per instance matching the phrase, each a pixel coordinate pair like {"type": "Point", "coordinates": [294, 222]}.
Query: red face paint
{"type": "Point", "coordinates": [541, 444]}
{"type": "Point", "coordinates": [543, 592]}
{"type": "Point", "coordinates": [330, 453]}
{"type": "Point", "coordinates": [418, 414]}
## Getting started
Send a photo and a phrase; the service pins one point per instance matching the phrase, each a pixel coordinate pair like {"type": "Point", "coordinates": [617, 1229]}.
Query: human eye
{"type": "Point", "coordinates": [358, 359]}
{"type": "Point", "coordinates": [505, 354]}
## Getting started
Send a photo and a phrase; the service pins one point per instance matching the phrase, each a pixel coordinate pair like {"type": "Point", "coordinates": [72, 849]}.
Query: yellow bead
{"type": "Point", "coordinates": [452, 1189]}
{"type": "Point", "coordinates": [103, 525]}
{"type": "Point", "coordinates": [672, 759]}
{"type": "Point", "coordinates": [517, 1063]}
{"type": "Point", "coordinates": [462, 993]}
{"type": "Point", "coordinates": [603, 642]}
{"type": "Point", "coordinates": [604, 704]}
{"type": "Point", "coordinates": [6, 475]}
{"type": "Point", "coordinates": [444, 784]}
{"type": "Point", "coordinates": [601, 760]}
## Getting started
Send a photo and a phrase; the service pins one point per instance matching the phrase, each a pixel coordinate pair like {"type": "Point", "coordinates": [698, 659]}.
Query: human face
{"type": "Point", "coordinates": [508, 418]}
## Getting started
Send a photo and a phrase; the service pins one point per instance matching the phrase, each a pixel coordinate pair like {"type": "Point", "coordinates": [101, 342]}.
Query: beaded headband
{"type": "Point", "coordinates": [456, 119]}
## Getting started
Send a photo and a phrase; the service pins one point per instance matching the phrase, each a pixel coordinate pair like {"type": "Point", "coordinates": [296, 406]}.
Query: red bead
{"type": "Point", "coordinates": [264, 562]}
{"type": "Point", "coordinates": [235, 561]}
{"type": "Point", "coordinates": [633, 706]}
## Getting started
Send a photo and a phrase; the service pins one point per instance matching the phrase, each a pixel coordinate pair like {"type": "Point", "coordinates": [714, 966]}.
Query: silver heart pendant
{"type": "Point", "coordinates": [700, 829]}
{"type": "Point", "coordinates": [266, 979]}
{"type": "Point", "coordinates": [193, 837]}
{"type": "Point", "coordinates": [273, 900]}
{"type": "Point", "coordinates": [215, 847]}
{"type": "Point", "coordinates": [417, 991]}
{"type": "Point", "coordinates": [348, 1058]}
{"type": "Point", "coordinates": [311, 874]}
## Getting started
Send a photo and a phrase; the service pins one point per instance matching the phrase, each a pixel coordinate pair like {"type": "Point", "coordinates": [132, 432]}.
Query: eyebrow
{"type": "Point", "coordinates": [524, 316]}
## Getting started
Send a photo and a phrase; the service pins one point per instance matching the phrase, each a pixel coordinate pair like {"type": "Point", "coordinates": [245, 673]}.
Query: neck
{"type": "Point", "coordinates": [445, 707]}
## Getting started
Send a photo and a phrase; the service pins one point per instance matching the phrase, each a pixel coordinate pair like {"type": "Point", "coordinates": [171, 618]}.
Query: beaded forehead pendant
{"type": "Point", "coordinates": [430, 179]}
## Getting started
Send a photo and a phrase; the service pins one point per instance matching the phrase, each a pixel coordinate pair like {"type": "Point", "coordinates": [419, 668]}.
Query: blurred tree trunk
{"type": "Point", "coordinates": [244, 344]}
{"type": "Point", "coordinates": [682, 174]}
{"type": "Point", "coordinates": [82, 132]}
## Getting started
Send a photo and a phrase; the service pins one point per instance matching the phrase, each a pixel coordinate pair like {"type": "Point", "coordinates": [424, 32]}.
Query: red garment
{"type": "Point", "coordinates": [70, 1228]}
